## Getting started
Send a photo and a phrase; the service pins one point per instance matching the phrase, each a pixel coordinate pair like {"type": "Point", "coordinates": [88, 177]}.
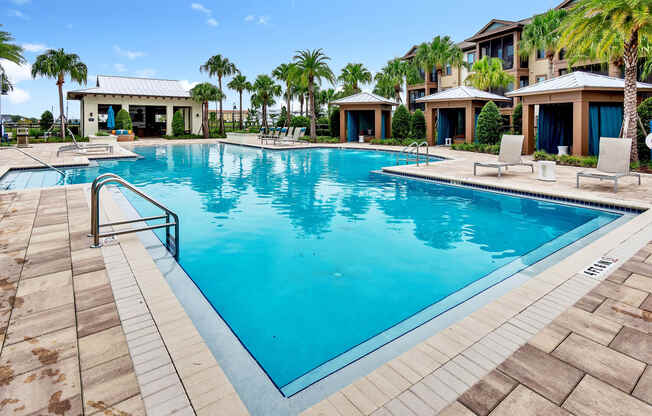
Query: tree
{"type": "Point", "coordinates": [488, 74]}
{"type": "Point", "coordinates": [47, 119]}
{"type": "Point", "coordinates": [489, 122]}
{"type": "Point", "coordinates": [239, 83]}
{"type": "Point", "coordinates": [57, 64]}
{"type": "Point", "coordinates": [334, 123]}
{"type": "Point", "coordinates": [264, 91]}
{"type": "Point", "coordinates": [418, 125]}
{"type": "Point", "coordinates": [220, 67]}
{"type": "Point", "coordinates": [287, 73]}
{"type": "Point", "coordinates": [542, 34]}
{"type": "Point", "coordinates": [393, 74]}
{"type": "Point", "coordinates": [327, 96]}
{"type": "Point", "coordinates": [353, 75]}
{"type": "Point", "coordinates": [401, 123]}
{"type": "Point", "coordinates": [435, 55]}
{"type": "Point", "coordinates": [203, 93]}
{"type": "Point", "coordinates": [178, 124]}
{"type": "Point", "coordinates": [312, 67]}
{"type": "Point", "coordinates": [608, 30]}
{"type": "Point", "coordinates": [645, 113]}
{"type": "Point", "coordinates": [9, 51]}
{"type": "Point", "coordinates": [123, 120]}
{"type": "Point", "coordinates": [517, 119]}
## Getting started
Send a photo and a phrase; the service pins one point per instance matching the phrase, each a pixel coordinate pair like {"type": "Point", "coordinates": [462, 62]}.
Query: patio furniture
{"type": "Point", "coordinates": [547, 170]}
{"type": "Point", "coordinates": [511, 147]}
{"type": "Point", "coordinates": [613, 161]}
{"type": "Point", "coordinates": [85, 147]}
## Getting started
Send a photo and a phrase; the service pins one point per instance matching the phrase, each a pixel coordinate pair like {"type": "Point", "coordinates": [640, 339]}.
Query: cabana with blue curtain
{"type": "Point", "coordinates": [365, 114]}
{"type": "Point", "coordinates": [453, 113]}
{"type": "Point", "coordinates": [574, 110]}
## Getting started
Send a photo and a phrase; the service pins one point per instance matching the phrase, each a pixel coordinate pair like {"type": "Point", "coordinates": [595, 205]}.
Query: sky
{"type": "Point", "coordinates": [171, 39]}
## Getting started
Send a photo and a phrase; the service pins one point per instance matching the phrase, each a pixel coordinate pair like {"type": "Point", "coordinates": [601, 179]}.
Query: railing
{"type": "Point", "coordinates": [411, 153]}
{"type": "Point", "coordinates": [47, 165]}
{"type": "Point", "coordinates": [171, 242]}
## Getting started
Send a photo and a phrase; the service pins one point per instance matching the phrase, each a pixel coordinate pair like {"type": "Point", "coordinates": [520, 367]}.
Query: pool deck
{"type": "Point", "coordinates": [86, 331]}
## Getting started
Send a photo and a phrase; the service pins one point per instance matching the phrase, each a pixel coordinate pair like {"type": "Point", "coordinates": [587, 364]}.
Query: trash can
{"type": "Point", "coordinates": [547, 170]}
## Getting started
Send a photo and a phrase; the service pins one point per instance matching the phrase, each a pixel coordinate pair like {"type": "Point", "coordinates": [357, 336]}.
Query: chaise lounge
{"type": "Point", "coordinates": [511, 147]}
{"type": "Point", "coordinates": [613, 161]}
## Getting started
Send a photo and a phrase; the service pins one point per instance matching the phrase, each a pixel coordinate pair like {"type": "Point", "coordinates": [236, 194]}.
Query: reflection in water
{"type": "Point", "coordinates": [306, 253]}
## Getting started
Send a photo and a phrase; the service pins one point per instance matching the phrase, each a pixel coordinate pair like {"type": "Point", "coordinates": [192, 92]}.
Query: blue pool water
{"type": "Point", "coordinates": [314, 261]}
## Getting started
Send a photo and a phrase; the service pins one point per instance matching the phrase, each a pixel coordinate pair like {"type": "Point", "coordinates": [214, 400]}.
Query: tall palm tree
{"type": "Point", "coordinates": [395, 73]}
{"type": "Point", "coordinates": [203, 93]}
{"type": "Point", "coordinates": [56, 64]}
{"type": "Point", "coordinates": [456, 59]}
{"type": "Point", "coordinates": [354, 74]}
{"type": "Point", "coordinates": [542, 33]}
{"type": "Point", "coordinates": [9, 51]}
{"type": "Point", "coordinates": [288, 74]}
{"type": "Point", "coordinates": [608, 29]}
{"type": "Point", "coordinates": [384, 86]}
{"type": "Point", "coordinates": [327, 96]}
{"type": "Point", "coordinates": [300, 91]}
{"type": "Point", "coordinates": [239, 83]}
{"type": "Point", "coordinates": [5, 83]}
{"type": "Point", "coordinates": [488, 74]}
{"type": "Point", "coordinates": [220, 67]}
{"type": "Point", "coordinates": [264, 90]}
{"type": "Point", "coordinates": [435, 55]}
{"type": "Point", "coordinates": [312, 67]}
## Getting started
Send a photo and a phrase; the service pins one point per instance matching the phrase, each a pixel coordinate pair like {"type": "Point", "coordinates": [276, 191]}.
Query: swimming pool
{"type": "Point", "coordinates": [313, 260]}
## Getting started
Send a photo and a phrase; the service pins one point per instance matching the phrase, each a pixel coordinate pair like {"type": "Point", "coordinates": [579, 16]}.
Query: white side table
{"type": "Point", "coordinates": [547, 170]}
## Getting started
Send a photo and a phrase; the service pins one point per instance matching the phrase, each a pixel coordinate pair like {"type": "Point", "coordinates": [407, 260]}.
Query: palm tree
{"type": "Point", "coordinates": [488, 74]}
{"type": "Point", "coordinates": [300, 90]}
{"type": "Point", "coordinates": [264, 90]}
{"type": "Point", "coordinates": [5, 83]}
{"type": "Point", "coordinates": [354, 74]}
{"type": "Point", "coordinates": [288, 74]}
{"type": "Point", "coordinates": [219, 66]}
{"type": "Point", "coordinates": [542, 33]}
{"type": "Point", "coordinates": [456, 59]}
{"type": "Point", "coordinates": [57, 64]}
{"type": "Point", "coordinates": [239, 83]}
{"type": "Point", "coordinates": [395, 73]}
{"type": "Point", "coordinates": [203, 93]}
{"type": "Point", "coordinates": [9, 51]}
{"type": "Point", "coordinates": [435, 55]}
{"type": "Point", "coordinates": [607, 30]}
{"type": "Point", "coordinates": [327, 96]}
{"type": "Point", "coordinates": [312, 66]}
{"type": "Point", "coordinates": [385, 86]}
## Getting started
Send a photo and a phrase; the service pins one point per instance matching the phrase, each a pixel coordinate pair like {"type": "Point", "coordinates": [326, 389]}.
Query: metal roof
{"type": "Point", "coordinates": [364, 98]}
{"type": "Point", "coordinates": [115, 85]}
{"type": "Point", "coordinates": [462, 94]}
{"type": "Point", "coordinates": [576, 81]}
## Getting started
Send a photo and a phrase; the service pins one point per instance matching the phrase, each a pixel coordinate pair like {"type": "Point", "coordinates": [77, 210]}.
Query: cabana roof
{"type": "Point", "coordinates": [364, 98]}
{"type": "Point", "coordinates": [462, 94]}
{"type": "Point", "coordinates": [576, 81]}
{"type": "Point", "coordinates": [118, 85]}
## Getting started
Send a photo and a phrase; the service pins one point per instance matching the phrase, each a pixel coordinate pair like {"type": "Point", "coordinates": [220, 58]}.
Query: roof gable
{"type": "Point", "coordinates": [576, 81]}
{"type": "Point", "coordinates": [364, 98]}
{"type": "Point", "coordinates": [462, 93]}
{"type": "Point", "coordinates": [116, 85]}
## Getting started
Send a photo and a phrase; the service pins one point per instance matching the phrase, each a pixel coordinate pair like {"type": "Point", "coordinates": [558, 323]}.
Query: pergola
{"type": "Point", "coordinates": [575, 110]}
{"type": "Point", "coordinates": [451, 106]}
{"type": "Point", "coordinates": [365, 114]}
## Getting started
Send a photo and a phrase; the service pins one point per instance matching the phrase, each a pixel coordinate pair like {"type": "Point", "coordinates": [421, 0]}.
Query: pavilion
{"type": "Point", "coordinates": [365, 114]}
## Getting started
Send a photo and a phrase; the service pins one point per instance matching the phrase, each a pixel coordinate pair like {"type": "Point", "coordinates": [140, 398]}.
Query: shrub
{"type": "Point", "coordinates": [418, 125]}
{"type": "Point", "coordinates": [645, 113]}
{"type": "Point", "coordinates": [34, 132]}
{"type": "Point", "coordinates": [401, 123]}
{"type": "Point", "coordinates": [392, 141]}
{"type": "Point", "coordinates": [321, 139]}
{"type": "Point", "coordinates": [569, 160]}
{"type": "Point", "coordinates": [517, 119]}
{"type": "Point", "coordinates": [123, 120]}
{"type": "Point", "coordinates": [178, 125]}
{"type": "Point", "coordinates": [301, 121]}
{"type": "Point", "coordinates": [493, 149]}
{"type": "Point", "coordinates": [334, 123]}
{"type": "Point", "coordinates": [101, 133]}
{"type": "Point", "coordinates": [47, 119]}
{"type": "Point", "coordinates": [489, 122]}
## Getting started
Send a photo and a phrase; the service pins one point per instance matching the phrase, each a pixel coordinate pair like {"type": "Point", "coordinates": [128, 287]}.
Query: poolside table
{"type": "Point", "coordinates": [547, 170]}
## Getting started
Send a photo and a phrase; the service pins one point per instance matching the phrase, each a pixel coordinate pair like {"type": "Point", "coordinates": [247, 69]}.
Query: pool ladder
{"type": "Point", "coordinates": [411, 153]}
{"type": "Point", "coordinates": [171, 241]}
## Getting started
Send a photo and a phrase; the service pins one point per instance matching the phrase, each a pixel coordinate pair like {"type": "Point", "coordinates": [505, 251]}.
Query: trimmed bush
{"type": "Point", "coordinates": [645, 113]}
{"type": "Point", "coordinates": [178, 126]}
{"type": "Point", "coordinates": [47, 119]}
{"type": "Point", "coordinates": [34, 132]}
{"type": "Point", "coordinates": [401, 123]}
{"type": "Point", "coordinates": [489, 122]}
{"type": "Point", "coordinates": [301, 121]}
{"type": "Point", "coordinates": [334, 123]}
{"type": "Point", "coordinates": [517, 119]}
{"type": "Point", "coordinates": [418, 125]}
{"type": "Point", "coordinates": [123, 120]}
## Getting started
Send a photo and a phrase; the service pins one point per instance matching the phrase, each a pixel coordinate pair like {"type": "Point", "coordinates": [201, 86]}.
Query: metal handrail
{"type": "Point", "coordinates": [425, 144]}
{"type": "Point", "coordinates": [62, 173]}
{"type": "Point", "coordinates": [406, 151]}
{"type": "Point", "coordinates": [98, 183]}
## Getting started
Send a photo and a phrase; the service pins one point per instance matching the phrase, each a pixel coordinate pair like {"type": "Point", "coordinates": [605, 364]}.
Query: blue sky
{"type": "Point", "coordinates": [171, 39]}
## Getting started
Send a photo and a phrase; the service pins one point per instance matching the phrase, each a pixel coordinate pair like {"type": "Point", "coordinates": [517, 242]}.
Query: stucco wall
{"type": "Point", "coordinates": [90, 103]}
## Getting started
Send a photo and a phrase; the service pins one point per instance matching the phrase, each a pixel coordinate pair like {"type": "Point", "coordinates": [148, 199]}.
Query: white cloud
{"type": "Point", "coordinates": [34, 47]}
{"type": "Point", "coordinates": [187, 85]}
{"type": "Point", "coordinates": [262, 20]}
{"type": "Point", "coordinates": [147, 72]}
{"type": "Point", "coordinates": [120, 67]}
{"type": "Point", "coordinates": [16, 73]}
{"type": "Point", "coordinates": [249, 18]}
{"type": "Point", "coordinates": [127, 53]}
{"type": "Point", "coordinates": [21, 2]}
{"type": "Point", "coordinates": [200, 8]}
{"type": "Point", "coordinates": [211, 21]}
{"type": "Point", "coordinates": [18, 14]}
{"type": "Point", "coordinates": [18, 96]}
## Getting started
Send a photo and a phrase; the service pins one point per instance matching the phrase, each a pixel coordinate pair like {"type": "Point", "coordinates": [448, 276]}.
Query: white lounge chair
{"type": "Point", "coordinates": [613, 161]}
{"type": "Point", "coordinates": [85, 147]}
{"type": "Point", "coordinates": [511, 147]}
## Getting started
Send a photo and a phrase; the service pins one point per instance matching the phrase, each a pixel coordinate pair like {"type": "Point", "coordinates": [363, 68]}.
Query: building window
{"type": "Point", "coordinates": [523, 82]}
{"type": "Point", "coordinates": [433, 91]}
{"type": "Point", "coordinates": [422, 74]}
{"type": "Point", "coordinates": [525, 61]}
{"type": "Point", "coordinates": [470, 58]}
{"type": "Point", "coordinates": [449, 70]}
{"type": "Point", "coordinates": [562, 54]}
{"type": "Point", "coordinates": [541, 54]}
{"type": "Point", "coordinates": [541, 78]}
{"type": "Point", "coordinates": [563, 71]}
{"type": "Point", "coordinates": [502, 48]}
{"type": "Point", "coordinates": [433, 75]}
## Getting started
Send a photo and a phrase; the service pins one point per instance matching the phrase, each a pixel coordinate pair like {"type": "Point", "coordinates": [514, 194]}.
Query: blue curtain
{"type": "Point", "coordinates": [366, 121]}
{"type": "Point", "coordinates": [475, 129]}
{"type": "Point", "coordinates": [444, 128]}
{"type": "Point", "coordinates": [605, 120]}
{"type": "Point", "coordinates": [555, 127]}
{"type": "Point", "coordinates": [352, 126]}
{"type": "Point", "coordinates": [383, 122]}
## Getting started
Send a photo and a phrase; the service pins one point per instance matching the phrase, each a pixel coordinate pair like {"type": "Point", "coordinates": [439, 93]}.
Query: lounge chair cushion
{"type": "Point", "coordinates": [614, 155]}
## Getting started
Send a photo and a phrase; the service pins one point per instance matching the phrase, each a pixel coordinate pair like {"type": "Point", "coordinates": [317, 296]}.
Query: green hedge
{"type": "Point", "coordinates": [393, 141]}
{"type": "Point", "coordinates": [178, 126]}
{"type": "Point", "coordinates": [334, 123]}
{"type": "Point", "coordinates": [123, 120]}
{"type": "Point", "coordinates": [493, 149]}
{"type": "Point", "coordinates": [321, 139]}
{"type": "Point", "coordinates": [568, 160]}
{"type": "Point", "coordinates": [517, 119]}
{"type": "Point", "coordinates": [401, 123]}
{"type": "Point", "coordinates": [645, 113]}
{"type": "Point", "coordinates": [489, 123]}
{"type": "Point", "coordinates": [418, 125]}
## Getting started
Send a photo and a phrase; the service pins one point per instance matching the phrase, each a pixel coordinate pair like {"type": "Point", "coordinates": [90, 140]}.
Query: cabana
{"type": "Point", "coordinates": [575, 110]}
{"type": "Point", "coordinates": [365, 114]}
{"type": "Point", "coordinates": [456, 112]}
